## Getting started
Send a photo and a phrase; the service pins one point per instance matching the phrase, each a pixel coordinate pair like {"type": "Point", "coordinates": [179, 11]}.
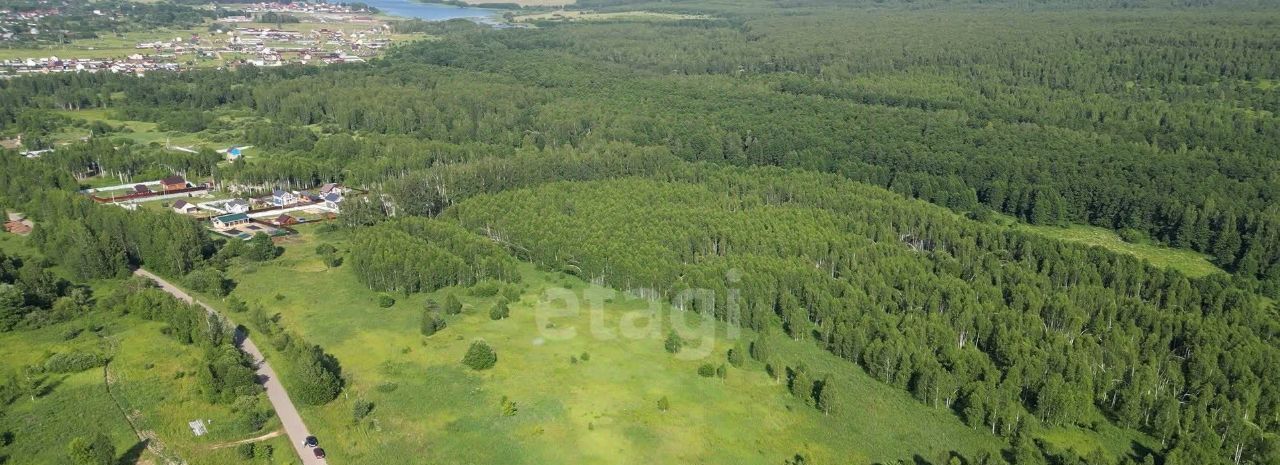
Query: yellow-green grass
{"type": "Point", "coordinates": [1110, 440]}
{"type": "Point", "coordinates": [142, 132]}
{"type": "Point", "coordinates": [145, 382]}
{"type": "Point", "coordinates": [1188, 262]}
{"type": "Point", "coordinates": [152, 378]}
{"type": "Point", "coordinates": [600, 411]}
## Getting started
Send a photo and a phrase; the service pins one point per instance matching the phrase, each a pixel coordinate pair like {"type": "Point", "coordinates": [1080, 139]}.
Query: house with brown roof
{"type": "Point", "coordinates": [182, 207]}
{"type": "Point", "coordinates": [173, 183]}
{"type": "Point", "coordinates": [284, 220]}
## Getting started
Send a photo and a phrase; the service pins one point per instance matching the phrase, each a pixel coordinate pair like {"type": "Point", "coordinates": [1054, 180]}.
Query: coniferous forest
{"type": "Point", "coordinates": [847, 164]}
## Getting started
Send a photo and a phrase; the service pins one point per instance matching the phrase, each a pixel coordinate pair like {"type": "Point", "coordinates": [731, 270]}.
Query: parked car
{"type": "Point", "coordinates": [311, 441]}
{"type": "Point", "coordinates": [319, 452]}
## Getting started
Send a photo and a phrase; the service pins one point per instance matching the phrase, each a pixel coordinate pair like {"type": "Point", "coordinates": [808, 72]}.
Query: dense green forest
{"type": "Point", "coordinates": [1112, 118]}
{"type": "Point", "coordinates": [841, 161]}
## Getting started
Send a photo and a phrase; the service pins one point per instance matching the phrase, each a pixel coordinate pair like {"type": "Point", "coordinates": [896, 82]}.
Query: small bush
{"type": "Point", "coordinates": [585, 357]}
{"type": "Point", "coordinates": [209, 281]}
{"type": "Point", "coordinates": [508, 407]}
{"type": "Point", "coordinates": [71, 334]}
{"type": "Point", "coordinates": [362, 408]}
{"type": "Point", "coordinates": [236, 305]}
{"type": "Point", "coordinates": [333, 261]}
{"type": "Point", "coordinates": [706, 370]}
{"type": "Point", "coordinates": [673, 342]}
{"type": "Point", "coordinates": [72, 362]}
{"type": "Point", "coordinates": [664, 404]}
{"type": "Point", "coordinates": [480, 356]}
{"type": "Point", "coordinates": [432, 324]}
{"type": "Point", "coordinates": [500, 310]}
{"type": "Point", "coordinates": [386, 386]}
{"type": "Point", "coordinates": [452, 306]}
{"type": "Point", "coordinates": [326, 249]}
{"type": "Point", "coordinates": [736, 357]}
{"type": "Point", "coordinates": [1132, 236]}
{"type": "Point", "coordinates": [386, 301]}
{"type": "Point", "coordinates": [486, 288]}
{"type": "Point", "coordinates": [245, 451]}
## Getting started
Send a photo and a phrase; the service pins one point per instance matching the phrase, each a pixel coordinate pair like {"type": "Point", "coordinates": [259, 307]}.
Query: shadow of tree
{"type": "Point", "coordinates": [133, 454]}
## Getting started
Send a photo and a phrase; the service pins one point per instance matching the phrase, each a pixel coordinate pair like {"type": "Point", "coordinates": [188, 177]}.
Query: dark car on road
{"type": "Point", "coordinates": [311, 441]}
{"type": "Point", "coordinates": [319, 452]}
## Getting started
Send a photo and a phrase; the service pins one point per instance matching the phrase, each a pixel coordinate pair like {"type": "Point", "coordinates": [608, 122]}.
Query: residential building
{"type": "Point", "coordinates": [237, 206]}
{"type": "Point", "coordinates": [173, 183]}
{"type": "Point", "coordinates": [230, 221]}
{"type": "Point", "coordinates": [280, 198]}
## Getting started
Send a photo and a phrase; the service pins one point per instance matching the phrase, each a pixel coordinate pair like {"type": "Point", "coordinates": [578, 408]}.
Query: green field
{"type": "Point", "coordinates": [151, 381]}
{"type": "Point", "coordinates": [1189, 262]}
{"type": "Point", "coordinates": [597, 411]}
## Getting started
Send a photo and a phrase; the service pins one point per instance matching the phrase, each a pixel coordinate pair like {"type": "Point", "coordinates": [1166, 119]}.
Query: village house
{"type": "Point", "coordinates": [237, 206]}
{"type": "Point", "coordinates": [280, 198]}
{"type": "Point", "coordinates": [173, 183]}
{"type": "Point", "coordinates": [184, 208]}
{"type": "Point", "coordinates": [330, 188]}
{"type": "Point", "coordinates": [284, 220]}
{"type": "Point", "coordinates": [230, 221]}
{"type": "Point", "coordinates": [333, 201]}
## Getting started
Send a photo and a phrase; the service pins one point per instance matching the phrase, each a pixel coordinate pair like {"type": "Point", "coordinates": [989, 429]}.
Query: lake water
{"type": "Point", "coordinates": [433, 11]}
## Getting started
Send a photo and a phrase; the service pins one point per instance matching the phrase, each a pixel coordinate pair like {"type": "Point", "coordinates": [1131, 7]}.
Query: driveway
{"type": "Point", "coordinates": [288, 414]}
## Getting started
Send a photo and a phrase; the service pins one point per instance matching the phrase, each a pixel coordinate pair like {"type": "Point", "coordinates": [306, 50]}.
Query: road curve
{"type": "Point", "coordinates": [288, 414]}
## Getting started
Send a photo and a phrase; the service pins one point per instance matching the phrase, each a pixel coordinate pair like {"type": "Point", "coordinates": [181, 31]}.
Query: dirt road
{"type": "Point", "coordinates": [288, 414]}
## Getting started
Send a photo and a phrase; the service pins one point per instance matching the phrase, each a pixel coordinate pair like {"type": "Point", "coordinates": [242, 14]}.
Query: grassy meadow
{"type": "Point", "coordinates": [601, 408]}
{"type": "Point", "coordinates": [152, 382]}
{"type": "Point", "coordinates": [1187, 261]}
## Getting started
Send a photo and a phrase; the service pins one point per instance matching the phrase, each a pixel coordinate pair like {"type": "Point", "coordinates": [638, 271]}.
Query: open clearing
{"type": "Point", "coordinates": [1189, 262]}
{"type": "Point", "coordinates": [602, 410]}
{"type": "Point", "coordinates": [152, 378]}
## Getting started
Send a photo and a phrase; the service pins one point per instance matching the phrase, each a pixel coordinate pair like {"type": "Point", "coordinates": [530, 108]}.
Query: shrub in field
{"type": "Point", "coordinates": [71, 362]}
{"type": "Point", "coordinates": [386, 301]}
{"type": "Point", "coordinates": [480, 356]}
{"type": "Point", "coordinates": [452, 305]}
{"type": "Point", "coordinates": [673, 342]}
{"type": "Point", "coordinates": [706, 370]}
{"type": "Point", "coordinates": [362, 408]}
{"type": "Point", "coordinates": [431, 323]}
{"type": "Point", "coordinates": [500, 310]}
{"type": "Point", "coordinates": [92, 450]}
{"type": "Point", "coordinates": [209, 280]}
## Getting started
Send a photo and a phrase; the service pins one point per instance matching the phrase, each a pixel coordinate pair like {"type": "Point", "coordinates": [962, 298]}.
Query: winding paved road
{"type": "Point", "coordinates": [288, 414]}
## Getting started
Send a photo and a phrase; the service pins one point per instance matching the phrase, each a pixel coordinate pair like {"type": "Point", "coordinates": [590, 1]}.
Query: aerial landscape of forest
{"type": "Point", "coordinates": [966, 232]}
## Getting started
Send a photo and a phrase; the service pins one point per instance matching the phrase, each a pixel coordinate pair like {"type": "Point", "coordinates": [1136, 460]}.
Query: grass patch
{"type": "Point", "coordinates": [1188, 262]}
{"type": "Point", "coordinates": [604, 410]}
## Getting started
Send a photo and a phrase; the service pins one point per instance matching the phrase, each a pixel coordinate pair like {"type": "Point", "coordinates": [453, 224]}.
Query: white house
{"type": "Point", "coordinates": [333, 201]}
{"type": "Point", "coordinates": [237, 206]}
{"type": "Point", "coordinates": [182, 207]}
{"type": "Point", "coordinates": [280, 198]}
